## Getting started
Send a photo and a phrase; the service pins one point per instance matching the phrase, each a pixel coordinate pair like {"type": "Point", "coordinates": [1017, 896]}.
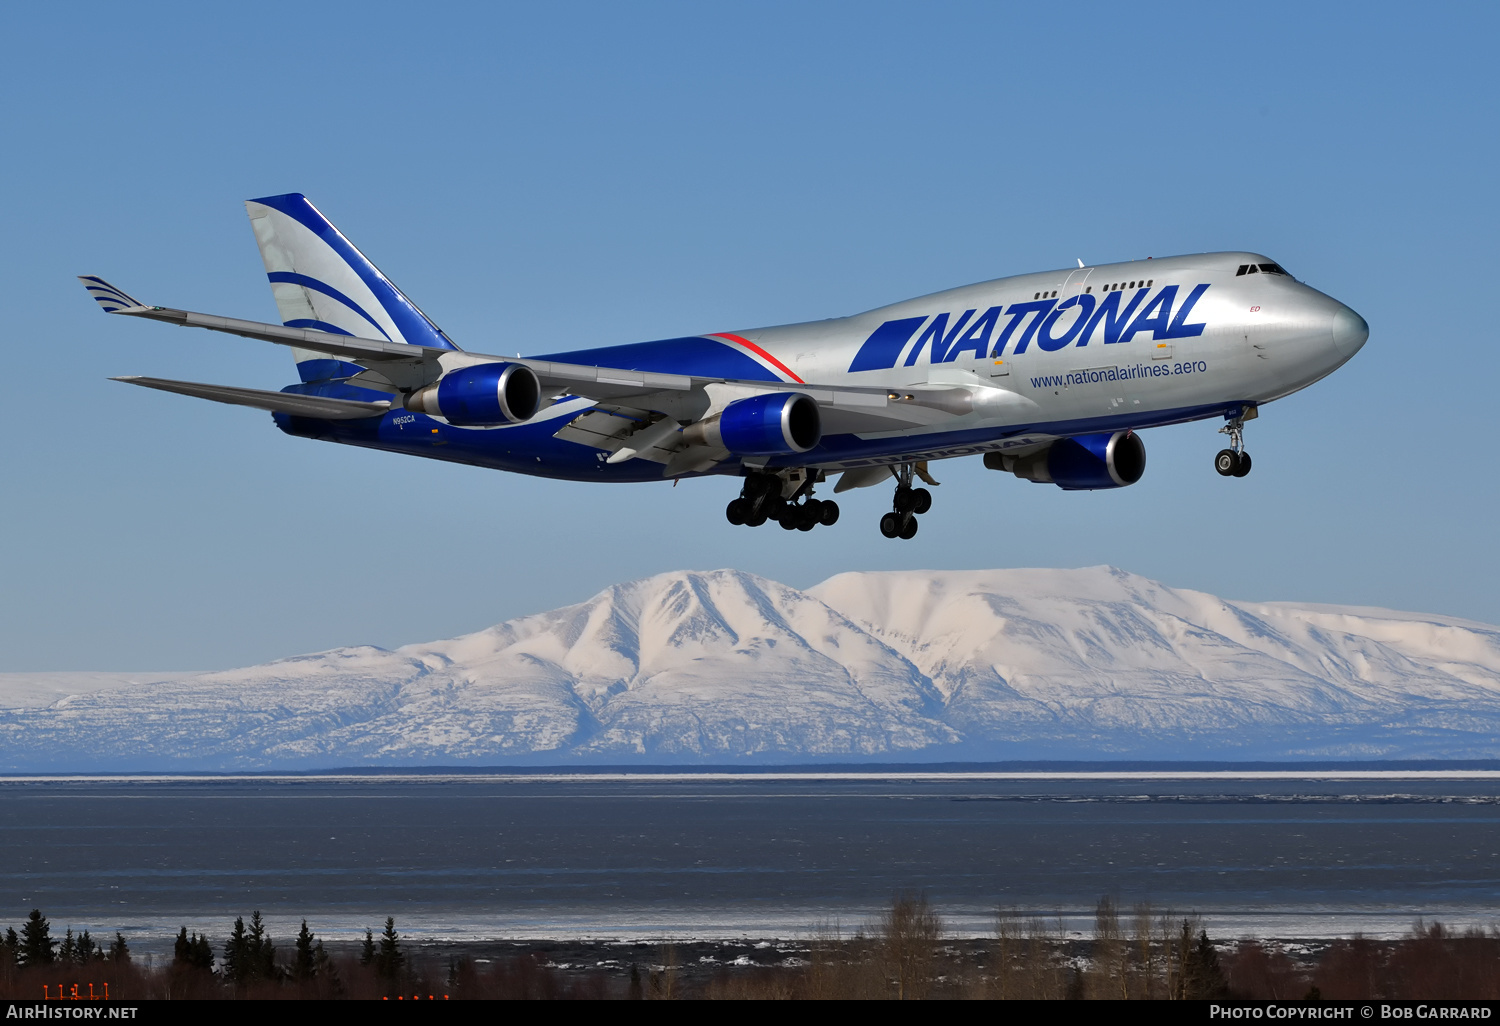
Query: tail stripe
{"type": "Point", "coordinates": [310, 322]}
{"type": "Point", "coordinates": [306, 281]}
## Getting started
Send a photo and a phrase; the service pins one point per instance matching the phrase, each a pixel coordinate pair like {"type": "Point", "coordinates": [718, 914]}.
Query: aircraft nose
{"type": "Point", "coordinates": [1349, 331]}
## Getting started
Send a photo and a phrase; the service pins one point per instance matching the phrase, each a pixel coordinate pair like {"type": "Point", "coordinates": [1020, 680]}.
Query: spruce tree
{"type": "Point", "coordinates": [262, 953]}
{"type": "Point", "coordinates": [86, 951]}
{"type": "Point", "coordinates": [36, 940]}
{"type": "Point", "coordinates": [237, 953]}
{"type": "Point", "coordinates": [67, 952]}
{"type": "Point", "coordinates": [201, 953]}
{"type": "Point", "coordinates": [367, 951]}
{"type": "Point", "coordinates": [182, 949]}
{"type": "Point", "coordinates": [390, 960]}
{"type": "Point", "coordinates": [326, 972]}
{"type": "Point", "coordinates": [304, 966]}
{"type": "Point", "coordinates": [1203, 978]}
{"type": "Point", "coordinates": [119, 951]}
{"type": "Point", "coordinates": [10, 947]}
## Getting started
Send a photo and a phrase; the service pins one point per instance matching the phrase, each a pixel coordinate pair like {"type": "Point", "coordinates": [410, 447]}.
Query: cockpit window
{"type": "Point", "coordinates": [1261, 269]}
{"type": "Point", "coordinates": [1273, 269]}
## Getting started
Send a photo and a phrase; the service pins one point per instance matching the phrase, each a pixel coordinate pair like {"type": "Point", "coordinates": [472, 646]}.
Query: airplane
{"type": "Point", "coordinates": [1048, 376]}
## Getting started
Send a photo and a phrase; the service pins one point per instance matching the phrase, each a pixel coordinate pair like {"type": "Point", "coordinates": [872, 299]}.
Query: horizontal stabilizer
{"type": "Point", "coordinates": [106, 295]}
{"type": "Point", "coordinates": [321, 407]}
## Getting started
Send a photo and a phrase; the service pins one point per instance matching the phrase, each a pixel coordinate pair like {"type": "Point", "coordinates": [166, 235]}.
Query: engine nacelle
{"type": "Point", "coordinates": [482, 395]}
{"type": "Point", "coordinates": [773, 424]}
{"type": "Point", "coordinates": [1081, 463]}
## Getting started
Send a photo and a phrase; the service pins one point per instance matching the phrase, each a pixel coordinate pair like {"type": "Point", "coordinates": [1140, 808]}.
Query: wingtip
{"type": "Point", "coordinates": [109, 298]}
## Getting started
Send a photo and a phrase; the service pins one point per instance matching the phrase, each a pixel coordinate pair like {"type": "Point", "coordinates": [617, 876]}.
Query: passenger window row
{"type": "Point", "coordinates": [1145, 284]}
{"type": "Point", "coordinates": [1116, 286]}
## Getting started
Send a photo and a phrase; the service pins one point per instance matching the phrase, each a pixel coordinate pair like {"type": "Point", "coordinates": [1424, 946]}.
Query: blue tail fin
{"type": "Point", "coordinates": [321, 281]}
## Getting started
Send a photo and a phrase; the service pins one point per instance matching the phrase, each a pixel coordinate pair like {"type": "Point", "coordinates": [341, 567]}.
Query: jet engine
{"type": "Point", "coordinates": [485, 394]}
{"type": "Point", "coordinates": [773, 424]}
{"type": "Point", "coordinates": [1081, 463]}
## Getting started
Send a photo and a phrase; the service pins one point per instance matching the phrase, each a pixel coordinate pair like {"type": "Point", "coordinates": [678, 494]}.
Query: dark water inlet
{"type": "Point", "coordinates": [536, 856]}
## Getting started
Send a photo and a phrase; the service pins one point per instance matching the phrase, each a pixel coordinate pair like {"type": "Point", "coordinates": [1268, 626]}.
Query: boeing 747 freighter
{"type": "Point", "coordinates": [1047, 376]}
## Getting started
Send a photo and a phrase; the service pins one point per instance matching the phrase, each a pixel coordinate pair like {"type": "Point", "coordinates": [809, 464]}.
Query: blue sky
{"type": "Point", "coordinates": [541, 177]}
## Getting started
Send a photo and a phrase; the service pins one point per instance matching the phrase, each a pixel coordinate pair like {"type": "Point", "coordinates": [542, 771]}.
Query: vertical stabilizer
{"type": "Point", "coordinates": [320, 280]}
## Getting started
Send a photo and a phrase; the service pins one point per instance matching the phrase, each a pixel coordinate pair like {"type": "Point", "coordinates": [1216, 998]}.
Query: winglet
{"type": "Point", "coordinates": [107, 296]}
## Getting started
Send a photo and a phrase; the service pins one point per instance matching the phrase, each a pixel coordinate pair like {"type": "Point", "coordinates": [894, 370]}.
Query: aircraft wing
{"type": "Point", "coordinates": [846, 409]}
{"type": "Point", "coordinates": [317, 406]}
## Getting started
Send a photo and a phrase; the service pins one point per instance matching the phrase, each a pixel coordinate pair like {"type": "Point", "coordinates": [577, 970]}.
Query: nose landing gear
{"type": "Point", "coordinates": [908, 503]}
{"type": "Point", "coordinates": [1235, 461]}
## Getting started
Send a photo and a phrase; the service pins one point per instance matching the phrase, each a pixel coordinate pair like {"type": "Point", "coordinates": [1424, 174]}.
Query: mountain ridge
{"type": "Point", "coordinates": [704, 666]}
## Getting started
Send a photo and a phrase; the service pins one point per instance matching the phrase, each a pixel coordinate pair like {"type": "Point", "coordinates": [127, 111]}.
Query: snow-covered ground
{"type": "Point", "coordinates": [724, 666]}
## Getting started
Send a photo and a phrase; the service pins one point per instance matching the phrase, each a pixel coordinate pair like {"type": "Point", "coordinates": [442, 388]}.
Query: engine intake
{"type": "Point", "coordinates": [1081, 463]}
{"type": "Point", "coordinates": [481, 395]}
{"type": "Point", "coordinates": [774, 424]}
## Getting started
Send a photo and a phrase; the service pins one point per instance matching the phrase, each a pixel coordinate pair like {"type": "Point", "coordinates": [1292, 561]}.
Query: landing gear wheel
{"type": "Point", "coordinates": [1227, 462]}
{"type": "Point", "coordinates": [789, 521]}
{"type": "Point", "coordinates": [755, 520]}
{"type": "Point", "coordinates": [906, 500]}
{"type": "Point", "coordinates": [1244, 465]}
{"type": "Point", "coordinates": [890, 525]}
{"type": "Point", "coordinates": [829, 515]}
{"type": "Point", "coordinates": [909, 529]}
{"type": "Point", "coordinates": [737, 512]}
{"type": "Point", "coordinates": [812, 509]}
{"type": "Point", "coordinates": [923, 500]}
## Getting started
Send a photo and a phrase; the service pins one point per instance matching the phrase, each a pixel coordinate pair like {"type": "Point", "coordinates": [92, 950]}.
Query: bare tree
{"type": "Point", "coordinates": [1145, 961]}
{"type": "Point", "coordinates": [1111, 956]}
{"type": "Point", "coordinates": [1044, 964]}
{"type": "Point", "coordinates": [1006, 961]}
{"type": "Point", "coordinates": [908, 936]}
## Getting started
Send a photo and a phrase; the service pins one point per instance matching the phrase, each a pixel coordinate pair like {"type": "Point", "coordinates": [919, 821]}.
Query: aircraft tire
{"type": "Point", "coordinates": [906, 500]}
{"type": "Point", "coordinates": [789, 520]}
{"type": "Point", "coordinates": [829, 515]}
{"type": "Point", "coordinates": [1227, 462]}
{"type": "Point", "coordinates": [755, 520]}
{"type": "Point", "coordinates": [909, 529]}
{"type": "Point", "coordinates": [806, 523]}
{"type": "Point", "coordinates": [737, 512]}
{"type": "Point", "coordinates": [923, 500]}
{"type": "Point", "coordinates": [1243, 466]}
{"type": "Point", "coordinates": [890, 525]}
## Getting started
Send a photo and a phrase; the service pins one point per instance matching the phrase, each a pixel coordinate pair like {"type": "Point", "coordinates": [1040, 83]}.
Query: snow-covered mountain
{"type": "Point", "coordinates": [724, 666]}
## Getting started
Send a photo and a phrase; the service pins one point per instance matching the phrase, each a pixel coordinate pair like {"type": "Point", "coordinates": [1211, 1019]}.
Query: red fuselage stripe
{"type": "Point", "coordinates": [758, 351]}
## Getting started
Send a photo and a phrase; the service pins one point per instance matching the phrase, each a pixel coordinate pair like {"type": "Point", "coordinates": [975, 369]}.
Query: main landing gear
{"type": "Point", "coordinates": [908, 503]}
{"type": "Point", "coordinates": [1235, 461]}
{"type": "Point", "coordinates": [776, 497]}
